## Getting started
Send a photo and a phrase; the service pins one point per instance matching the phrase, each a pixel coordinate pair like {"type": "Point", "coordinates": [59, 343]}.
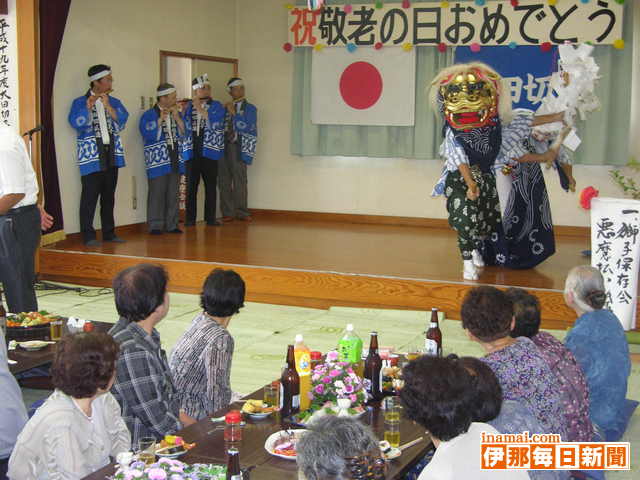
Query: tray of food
{"type": "Point", "coordinates": [30, 325]}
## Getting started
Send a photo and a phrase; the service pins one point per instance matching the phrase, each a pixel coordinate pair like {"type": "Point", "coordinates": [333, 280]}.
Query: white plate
{"type": "Point", "coordinates": [259, 416]}
{"type": "Point", "coordinates": [172, 455]}
{"type": "Point", "coordinates": [268, 445]}
{"type": "Point", "coordinates": [33, 345]}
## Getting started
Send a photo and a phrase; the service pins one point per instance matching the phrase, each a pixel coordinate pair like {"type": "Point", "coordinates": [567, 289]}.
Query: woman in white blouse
{"type": "Point", "coordinates": [79, 427]}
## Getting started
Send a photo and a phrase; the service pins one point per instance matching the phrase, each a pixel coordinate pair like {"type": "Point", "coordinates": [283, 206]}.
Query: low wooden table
{"type": "Point", "coordinates": [211, 447]}
{"type": "Point", "coordinates": [28, 360]}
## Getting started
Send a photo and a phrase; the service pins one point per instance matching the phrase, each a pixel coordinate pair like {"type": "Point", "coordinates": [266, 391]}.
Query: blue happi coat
{"type": "Point", "coordinates": [156, 150]}
{"type": "Point", "coordinates": [81, 119]}
{"type": "Point", "coordinates": [246, 124]}
{"type": "Point", "coordinates": [213, 130]}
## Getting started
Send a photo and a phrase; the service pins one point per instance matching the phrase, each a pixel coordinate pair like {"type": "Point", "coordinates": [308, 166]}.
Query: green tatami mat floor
{"type": "Point", "coordinates": [262, 332]}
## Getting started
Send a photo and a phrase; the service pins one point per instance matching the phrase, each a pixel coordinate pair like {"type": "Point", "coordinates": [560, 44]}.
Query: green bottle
{"type": "Point", "coordinates": [350, 346]}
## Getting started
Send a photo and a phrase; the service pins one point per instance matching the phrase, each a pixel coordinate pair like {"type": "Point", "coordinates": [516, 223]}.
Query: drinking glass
{"type": "Point", "coordinates": [56, 329]}
{"type": "Point", "coordinates": [412, 351]}
{"type": "Point", "coordinates": [392, 432]}
{"type": "Point", "coordinates": [391, 407]}
{"type": "Point", "coordinates": [271, 395]}
{"type": "Point", "coordinates": [147, 450]}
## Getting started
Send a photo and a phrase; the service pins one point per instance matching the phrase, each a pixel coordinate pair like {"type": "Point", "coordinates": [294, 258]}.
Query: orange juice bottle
{"type": "Point", "coordinates": [303, 367]}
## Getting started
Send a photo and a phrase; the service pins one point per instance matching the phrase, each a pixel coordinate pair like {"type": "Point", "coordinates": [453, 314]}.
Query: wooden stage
{"type": "Point", "coordinates": [320, 260]}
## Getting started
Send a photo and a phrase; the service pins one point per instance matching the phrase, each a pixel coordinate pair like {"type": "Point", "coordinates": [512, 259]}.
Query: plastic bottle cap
{"type": "Point", "coordinates": [316, 355]}
{"type": "Point", "coordinates": [350, 327]}
{"type": "Point", "coordinates": [299, 338]}
{"type": "Point", "coordinates": [233, 416]}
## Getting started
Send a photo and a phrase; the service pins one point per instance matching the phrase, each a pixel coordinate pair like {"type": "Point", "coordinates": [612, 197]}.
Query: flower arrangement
{"type": "Point", "coordinates": [333, 381]}
{"type": "Point", "coordinates": [168, 469]}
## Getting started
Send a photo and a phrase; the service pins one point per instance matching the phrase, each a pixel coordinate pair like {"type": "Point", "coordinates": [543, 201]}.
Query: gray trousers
{"type": "Point", "coordinates": [232, 182]}
{"type": "Point", "coordinates": [162, 202]}
{"type": "Point", "coordinates": [19, 239]}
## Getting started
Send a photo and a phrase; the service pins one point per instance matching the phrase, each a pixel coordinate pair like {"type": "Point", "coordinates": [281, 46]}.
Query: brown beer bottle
{"type": "Point", "coordinates": [233, 464]}
{"type": "Point", "coordinates": [433, 340]}
{"type": "Point", "coordinates": [290, 386]}
{"type": "Point", "coordinates": [373, 370]}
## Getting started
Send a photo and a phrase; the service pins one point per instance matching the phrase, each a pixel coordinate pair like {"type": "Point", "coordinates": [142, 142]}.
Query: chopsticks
{"type": "Point", "coordinates": [410, 444]}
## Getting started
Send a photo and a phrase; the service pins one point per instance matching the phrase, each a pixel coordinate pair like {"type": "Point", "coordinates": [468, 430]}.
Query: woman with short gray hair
{"type": "Point", "coordinates": [339, 448]}
{"type": "Point", "coordinates": [598, 342]}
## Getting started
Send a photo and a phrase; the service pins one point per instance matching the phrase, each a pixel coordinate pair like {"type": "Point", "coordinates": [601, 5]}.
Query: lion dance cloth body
{"type": "Point", "coordinates": [469, 98]}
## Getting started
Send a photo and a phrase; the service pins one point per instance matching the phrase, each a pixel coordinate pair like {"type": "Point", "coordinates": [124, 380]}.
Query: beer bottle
{"type": "Point", "coordinates": [290, 386]}
{"type": "Point", "coordinates": [433, 340]}
{"type": "Point", "coordinates": [373, 369]}
{"type": "Point", "coordinates": [233, 464]}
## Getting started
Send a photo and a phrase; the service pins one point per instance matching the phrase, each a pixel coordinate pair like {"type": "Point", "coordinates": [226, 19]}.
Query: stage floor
{"type": "Point", "coordinates": [400, 252]}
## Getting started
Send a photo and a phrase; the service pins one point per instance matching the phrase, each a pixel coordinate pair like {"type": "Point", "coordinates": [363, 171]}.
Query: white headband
{"type": "Point", "coordinates": [166, 91]}
{"type": "Point", "coordinates": [236, 83]}
{"type": "Point", "coordinates": [202, 81]}
{"type": "Point", "coordinates": [99, 75]}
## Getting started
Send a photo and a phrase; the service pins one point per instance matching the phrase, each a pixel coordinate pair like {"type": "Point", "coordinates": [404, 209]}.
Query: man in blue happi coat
{"type": "Point", "coordinates": [98, 119]}
{"type": "Point", "coordinates": [241, 135]}
{"type": "Point", "coordinates": [163, 133]}
{"type": "Point", "coordinates": [204, 147]}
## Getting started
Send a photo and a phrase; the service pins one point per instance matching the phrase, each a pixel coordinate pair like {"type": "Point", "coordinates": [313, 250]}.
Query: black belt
{"type": "Point", "coordinates": [19, 210]}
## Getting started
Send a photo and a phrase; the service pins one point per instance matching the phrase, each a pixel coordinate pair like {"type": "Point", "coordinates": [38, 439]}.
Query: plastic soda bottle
{"type": "Point", "coordinates": [303, 367]}
{"type": "Point", "coordinates": [350, 347]}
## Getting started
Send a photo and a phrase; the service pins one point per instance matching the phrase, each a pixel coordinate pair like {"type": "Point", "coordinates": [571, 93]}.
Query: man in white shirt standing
{"type": "Point", "coordinates": [20, 222]}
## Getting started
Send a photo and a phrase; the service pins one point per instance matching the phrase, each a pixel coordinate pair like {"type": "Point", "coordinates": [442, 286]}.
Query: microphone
{"type": "Point", "coordinates": [36, 129]}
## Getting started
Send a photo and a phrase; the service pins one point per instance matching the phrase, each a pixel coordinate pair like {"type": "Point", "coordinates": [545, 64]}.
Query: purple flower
{"type": "Point", "coordinates": [334, 373]}
{"type": "Point", "coordinates": [343, 364]}
{"type": "Point", "coordinates": [156, 474]}
{"type": "Point", "coordinates": [137, 465]}
{"type": "Point", "coordinates": [348, 388]}
{"type": "Point", "coordinates": [175, 476]}
{"type": "Point", "coordinates": [319, 389]}
{"type": "Point", "coordinates": [310, 394]}
{"type": "Point", "coordinates": [326, 380]}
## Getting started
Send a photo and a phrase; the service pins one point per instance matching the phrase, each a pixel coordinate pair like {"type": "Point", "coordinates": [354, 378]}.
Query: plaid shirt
{"type": "Point", "coordinates": [144, 387]}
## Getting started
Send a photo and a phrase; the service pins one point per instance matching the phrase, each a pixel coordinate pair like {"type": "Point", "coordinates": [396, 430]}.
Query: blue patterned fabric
{"type": "Point", "coordinates": [80, 119]}
{"type": "Point", "coordinates": [600, 346]}
{"type": "Point", "coordinates": [246, 124]}
{"type": "Point", "coordinates": [156, 151]}
{"type": "Point", "coordinates": [454, 156]}
{"type": "Point", "coordinates": [213, 133]}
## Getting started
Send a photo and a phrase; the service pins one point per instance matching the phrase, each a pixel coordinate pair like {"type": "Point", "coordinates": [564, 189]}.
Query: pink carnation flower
{"type": "Point", "coordinates": [319, 389]}
{"type": "Point", "coordinates": [156, 474]}
{"type": "Point", "coordinates": [334, 373]}
{"type": "Point", "coordinates": [326, 380]}
{"type": "Point", "coordinates": [332, 356]}
{"type": "Point", "coordinates": [353, 398]}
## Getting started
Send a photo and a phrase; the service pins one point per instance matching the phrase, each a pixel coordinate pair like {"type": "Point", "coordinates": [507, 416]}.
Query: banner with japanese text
{"type": "Point", "coordinates": [498, 22]}
{"type": "Point", "coordinates": [9, 68]}
{"type": "Point", "coordinates": [615, 251]}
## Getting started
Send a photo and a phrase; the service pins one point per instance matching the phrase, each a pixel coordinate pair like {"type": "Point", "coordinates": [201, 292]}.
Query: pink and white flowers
{"type": "Point", "coordinates": [334, 380]}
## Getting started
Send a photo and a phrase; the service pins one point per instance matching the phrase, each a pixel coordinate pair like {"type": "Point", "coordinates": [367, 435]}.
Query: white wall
{"type": "Point", "coordinates": [279, 180]}
{"type": "Point", "coordinates": [128, 35]}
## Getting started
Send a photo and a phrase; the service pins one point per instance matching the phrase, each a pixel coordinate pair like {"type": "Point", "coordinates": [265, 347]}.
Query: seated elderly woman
{"type": "Point", "coordinates": [506, 416]}
{"type": "Point", "coordinates": [437, 395]}
{"type": "Point", "coordinates": [561, 361]}
{"type": "Point", "coordinates": [523, 373]}
{"type": "Point", "coordinates": [79, 427]}
{"type": "Point", "coordinates": [201, 359]}
{"type": "Point", "coordinates": [339, 448]}
{"type": "Point", "coordinates": [599, 344]}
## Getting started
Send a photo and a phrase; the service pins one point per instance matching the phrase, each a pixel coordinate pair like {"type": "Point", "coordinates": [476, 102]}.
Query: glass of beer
{"type": "Point", "coordinates": [270, 397]}
{"type": "Point", "coordinates": [412, 351]}
{"type": "Point", "coordinates": [147, 450]}
{"type": "Point", "coordinates": [392, 432]}
{"type": "Point", "coordinates": [391, 407]}
{"type": "Point", "coordinates": [56, 329]}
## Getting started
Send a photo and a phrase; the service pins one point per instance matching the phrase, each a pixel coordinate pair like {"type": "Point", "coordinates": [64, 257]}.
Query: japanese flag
{"type": "Point", "coordinates": [366, 87]}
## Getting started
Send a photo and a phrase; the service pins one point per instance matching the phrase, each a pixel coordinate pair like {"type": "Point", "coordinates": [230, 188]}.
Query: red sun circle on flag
{"type": "Point", "coordinates": [361, 85]}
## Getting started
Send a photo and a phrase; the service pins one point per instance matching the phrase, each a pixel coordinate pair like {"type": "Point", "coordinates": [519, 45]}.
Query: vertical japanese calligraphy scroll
{"type": "Point", "coordinates": [615, 245]}
{"type": "Point", "coordinates": [9, 67]}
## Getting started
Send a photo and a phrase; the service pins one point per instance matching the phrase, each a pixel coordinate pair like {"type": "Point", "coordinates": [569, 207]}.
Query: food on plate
{"type": "Point", "coordinates": [256, 407]}
{"type": "Point", "coordinates": [392, 379]}
{"type": "Point", "coordinates": [285, 445]}
{"type": "Point", "coordinates": [31, 319]}
{"type": "Point", "coordinates": [173, 441]}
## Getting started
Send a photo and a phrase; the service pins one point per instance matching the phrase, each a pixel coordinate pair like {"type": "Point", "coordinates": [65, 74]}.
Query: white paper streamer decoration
{"type": "Point", "coordinates": [615, 251]}
{"type": "Point", "coordinates": [315, 4]}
